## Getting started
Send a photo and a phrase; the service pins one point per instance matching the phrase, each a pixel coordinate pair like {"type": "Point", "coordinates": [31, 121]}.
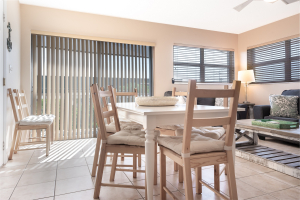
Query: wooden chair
{"type": "Point", "coordinates": [22, 123]}
{"type": "Point", "coordinates": [112, 129]}
{"type": "Point", "coordinates": [205, 151]}
{"type": "Point", "coordinates": [108, 143]}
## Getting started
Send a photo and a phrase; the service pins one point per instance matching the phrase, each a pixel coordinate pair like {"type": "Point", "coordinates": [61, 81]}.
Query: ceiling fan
{"type": "Point", "coordinates": [246, 3]}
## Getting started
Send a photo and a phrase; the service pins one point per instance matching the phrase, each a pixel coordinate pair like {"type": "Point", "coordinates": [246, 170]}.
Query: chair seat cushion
{"type": "Point", "coordinates": [37, 120]}
{"type": "Point", "coordinates": [207, 131]}
{"type": "Point", "coordinates": [128, 137]}
{"type": "Point", "coordinates": [199, 143]}
{"type": "Point", "coordinates": [124, 125]}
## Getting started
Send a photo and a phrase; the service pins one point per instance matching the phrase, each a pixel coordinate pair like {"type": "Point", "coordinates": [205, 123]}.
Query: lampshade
{"type": "Point", "coordinates": [246, 76]}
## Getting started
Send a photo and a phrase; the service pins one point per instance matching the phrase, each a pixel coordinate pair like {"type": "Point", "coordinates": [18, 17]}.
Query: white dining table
{"type": "Point", "coordinates": [151, 117]}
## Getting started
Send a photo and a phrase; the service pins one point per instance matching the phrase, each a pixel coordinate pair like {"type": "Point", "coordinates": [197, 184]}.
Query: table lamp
{"type": "Point", "coordinates": [246, 76]}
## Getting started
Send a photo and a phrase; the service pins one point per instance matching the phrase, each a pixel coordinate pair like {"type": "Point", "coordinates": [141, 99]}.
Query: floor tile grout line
{"type": "Point", "coordinates": [266, 192]}
{"type": "Point", "coordinates": [280, 179]}
{"type": "Point", "coordinates": [20, 176]}
{"type": "Point", "coordinates": [55, 180]}
{"type": "Point", "coordinates": [72, 192]}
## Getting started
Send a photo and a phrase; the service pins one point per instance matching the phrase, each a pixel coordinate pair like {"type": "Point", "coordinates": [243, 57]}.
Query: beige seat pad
{"type": "Point", "coordinates": [124, 125]}
{"type": "Point", "coordinates": [37, 120]}
{"type": "Point", "coordinates": [128, 137]}
{"type": "Point", "coordinates": [207, 131]}
{"type": "Point", "coordinates": [199, 144]}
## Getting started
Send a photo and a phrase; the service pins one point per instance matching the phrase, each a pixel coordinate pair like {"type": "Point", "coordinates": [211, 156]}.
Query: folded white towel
{"type": "Point", "coordinates": [37, 120]}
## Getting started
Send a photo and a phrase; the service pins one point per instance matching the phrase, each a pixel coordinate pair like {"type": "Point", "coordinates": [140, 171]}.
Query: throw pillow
{"type": "Point", "coordinates": [220, 102]}
{"type": "Point", "coordinates": [283, 106]}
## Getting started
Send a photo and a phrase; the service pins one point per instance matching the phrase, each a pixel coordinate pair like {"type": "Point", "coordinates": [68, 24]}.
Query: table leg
{"type": "Point", "coordinates": [149, 148]}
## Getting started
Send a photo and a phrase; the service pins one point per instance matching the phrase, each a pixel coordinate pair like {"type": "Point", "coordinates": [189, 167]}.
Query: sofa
{"type": "Point", "coordinates": [263, 111]}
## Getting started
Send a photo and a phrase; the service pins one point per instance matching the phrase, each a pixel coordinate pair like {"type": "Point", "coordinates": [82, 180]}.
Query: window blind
{"type": "Point", "coordinates": [276, 62]}
{"type": "Point", "coordinates": [64, 68]}
{"type": "Point", "coordinates": [203, 65]}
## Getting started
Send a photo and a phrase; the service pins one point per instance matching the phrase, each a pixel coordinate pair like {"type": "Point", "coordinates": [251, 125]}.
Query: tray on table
{"type": "Point", "coordinates": [272, 123]}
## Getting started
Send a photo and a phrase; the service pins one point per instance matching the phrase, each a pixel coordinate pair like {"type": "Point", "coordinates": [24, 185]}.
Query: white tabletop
{"type": "Point", "coordinates": [162, 110]}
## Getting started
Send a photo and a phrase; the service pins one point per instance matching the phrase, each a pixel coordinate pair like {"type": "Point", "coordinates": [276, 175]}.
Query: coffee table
{"type": "Point", "coordinates": [275, 159]}
{"type": "Point", "coordinates": [246, 129]}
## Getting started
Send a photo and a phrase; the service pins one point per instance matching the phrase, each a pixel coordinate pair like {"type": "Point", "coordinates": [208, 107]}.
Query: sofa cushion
{"type": "Point", "coordinates": [199, 143]}
{"type": "Point", "coordinates": [295, 92]}
{"type": "Point", "coordinates": [206, 101]}
{"type": "Point", "coordinates": [284, 106]}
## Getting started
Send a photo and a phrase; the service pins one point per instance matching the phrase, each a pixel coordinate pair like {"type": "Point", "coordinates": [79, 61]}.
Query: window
{"type": "Point", "coordinates": [63, 70]}
{"type": "Point", "coordinates": [276, 62]}
{"type": "Point", "coordinates": [203, 65]}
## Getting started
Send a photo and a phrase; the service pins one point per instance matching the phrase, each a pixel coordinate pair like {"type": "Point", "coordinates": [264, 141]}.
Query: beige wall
{"type": "Point", "coordinates": [164, 36]}
{"type": "Point", "coordinates": [259, 93]}
{"type": "Point", "coordinates": [13, 59]}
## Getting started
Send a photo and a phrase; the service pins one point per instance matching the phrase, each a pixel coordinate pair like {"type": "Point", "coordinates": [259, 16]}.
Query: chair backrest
{"type": "Point", "coordinates": [13, 105]}
{"type": "Point", "coordinates": [21, 101]}
{"type": "Point", "coordinates": [229, 121]}
{"type": "Point", "coordinates": [122, 94]}
{"type": "Point", "coordinates": [101, 113]}
{"type": "Point", "coordinates": [174, 93]}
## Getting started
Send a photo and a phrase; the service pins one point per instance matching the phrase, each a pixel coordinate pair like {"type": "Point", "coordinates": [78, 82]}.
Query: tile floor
{"type": "Point", "coordinates": [65, 175]}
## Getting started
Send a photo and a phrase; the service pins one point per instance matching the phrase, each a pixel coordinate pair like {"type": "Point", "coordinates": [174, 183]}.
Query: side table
{"type": "Point", "coordinates": [249, 110]}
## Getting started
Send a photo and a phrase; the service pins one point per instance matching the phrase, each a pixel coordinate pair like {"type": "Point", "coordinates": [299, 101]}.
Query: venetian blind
{"type": "Point", "coordinates": [203, 65]}
{"type": "Point", "coordinates": [63, 70]}
{"type": "Point", "coordinates": [276, 62]}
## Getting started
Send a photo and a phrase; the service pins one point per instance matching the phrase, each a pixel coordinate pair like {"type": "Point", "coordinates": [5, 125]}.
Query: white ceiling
{"type": "Point", "coordinates": [217, 15]}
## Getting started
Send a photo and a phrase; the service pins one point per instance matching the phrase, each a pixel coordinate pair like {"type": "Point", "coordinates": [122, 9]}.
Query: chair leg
{"type": "Point", "coordinates": [225, 171]}
{"type": "Point", "coordinates": [134, 165]}
{"type": "Point", "coordinates": [163, 175]}
{"type": "Point", "coordinates": [122, 158]}
{"type": "Point", "coordinates": [187, 179]}
{"type": "Point", "coordinates": [175, 167]}
{"type": "Point", "coordinates": [139, 160]}
{"type": "Point", "coordinates": [100, 172]}
{"type": "Point", "coordinates": [96, 156]}
{"type": "Point", "coordinates": [155, 164]}
{"type": "Point", "coordinates": [217, 177]}
{"type": "Point", "coordinates": [47, 140]}
{"type": "Point", "coordinates": [180, 174]}
{"type": "Point", "coordinates": [13, 143]}
{"type": "Point", "coordinates": [113, 167]}
{"type": "Point", "coordinates": [18, 140]}
{"type": "Point", "coordinates": [52, 135]}
{"type": "Point", "coordinates": [198, 171]}
{"type": "Point", "coordinates": [231, 176]}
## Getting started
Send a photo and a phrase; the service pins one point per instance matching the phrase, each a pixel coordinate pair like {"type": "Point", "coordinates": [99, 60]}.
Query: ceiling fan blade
{"type": "Point", "coordinates": [243, 5]}
{"type": "Point", "coordinates": [289, 1]}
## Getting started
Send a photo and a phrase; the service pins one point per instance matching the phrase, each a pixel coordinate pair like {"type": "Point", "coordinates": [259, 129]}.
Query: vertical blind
{"type": "Point", "coordinates": [63, 70]}
{"type": "Point", "coordinates": [276, 62]}
{"type": "Point", "coordinates": [203, 65]}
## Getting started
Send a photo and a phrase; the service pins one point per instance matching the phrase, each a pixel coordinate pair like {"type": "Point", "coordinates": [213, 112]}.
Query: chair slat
{"type": "Point", "coordinates": [204, 93]}
{"type": "Point", "coordinates": [211, 121]}
{"type": "Point", "coordinates": [105, 94]}
{"type": "Point", "coordinates": [108, 113]}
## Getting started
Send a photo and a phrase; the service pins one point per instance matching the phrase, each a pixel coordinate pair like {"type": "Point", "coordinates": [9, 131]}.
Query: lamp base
{"type": "Point", "coordinates": [246, 102]}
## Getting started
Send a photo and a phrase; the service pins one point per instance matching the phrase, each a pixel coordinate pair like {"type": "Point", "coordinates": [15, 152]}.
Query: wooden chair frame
{"type": "Point", "coordinates": [105, 107]}
{"type": "Point", "coordinates": [107, 148]}
{"type": "Point", "coordinates": [16, 143]}
{"type": "Point", "coordinates": [197, 161]}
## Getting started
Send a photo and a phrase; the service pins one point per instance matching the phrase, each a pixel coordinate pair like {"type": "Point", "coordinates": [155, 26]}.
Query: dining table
{"type": "Point", "coordinates": [153, 116]}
